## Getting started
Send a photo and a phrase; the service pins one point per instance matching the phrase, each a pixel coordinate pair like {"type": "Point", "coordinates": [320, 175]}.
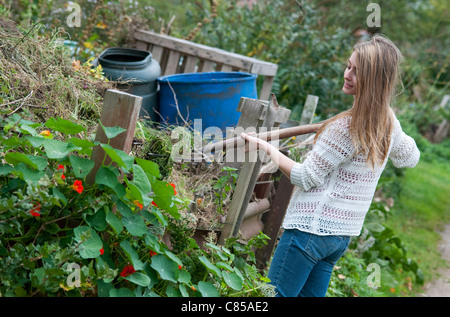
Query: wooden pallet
{"type": "Point", "coordinates": [177, 56]}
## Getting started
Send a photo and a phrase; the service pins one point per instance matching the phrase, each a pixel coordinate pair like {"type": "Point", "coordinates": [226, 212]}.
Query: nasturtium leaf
{"type": "Point", "coordinates": [211, 267]}
{"type": "Point", "coordinates": [167, 268]}
{"type": "Point", "coordinates": [90, 242]}
{"type": "Point", "coordinates": [81, 166]}
{"type": "Point", "coordinates": [121, 292]}
{"type": "Point", "coordinates": [184, 277]}
{"type": "Point", "coordinates": [135, 225]}
{"type": "Point", "coordinates": [120, 157]}
{"type": "Point", "coordinates": [132, 255]}
{"type": "Point", "coordinates": [207, 289]}
{"type": "Point", "coordinates": [84, 144]}
{"type": "Point", "coordinates": [64, 126]}
{"type": "Point", "coordinates": [28, 174]}
{"type": "Point", "coordinates": [36, 162]}
{"type": "Point", "coordinates": [141, 180]}
{"type": "Point", "coordinates": [56, 149]}
{"type": "Point", "coordinates": [112, 132]}
{"type": "Point", "coordinates": [149, 167]}
{"type": "Point", "coordinates": [172, 292]}
{"type": "Point", "coordinates": [232, 280]}
{"type": "Point", "coordinates": [123, 208]}
{"type": "Point", "coordinates": [97, 220]}
{"type": "Point", "coordinates": [139, 279]}
{"type": "Point", "coordinates": [107, 177]}
{"type": "Point", "coordinates": [5, 169]}
{"type": "Point", "coordinates": [114, 222]}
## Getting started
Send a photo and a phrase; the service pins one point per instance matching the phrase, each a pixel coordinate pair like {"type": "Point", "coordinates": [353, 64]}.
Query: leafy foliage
{"type": "Point", "coordinates": [52, 220]}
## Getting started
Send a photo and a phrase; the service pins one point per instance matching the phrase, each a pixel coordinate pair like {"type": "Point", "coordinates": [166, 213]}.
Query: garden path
{"type": "Point", "coordinates": [441, 286]}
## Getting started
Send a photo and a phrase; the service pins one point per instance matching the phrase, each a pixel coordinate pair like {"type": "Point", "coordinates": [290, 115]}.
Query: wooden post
{"type": "Point", "coordinates": [307, 114]}
{"type": "Point", "coordinates": [250, 169]}
{"type": "Point", "coordinates": [119, 109]}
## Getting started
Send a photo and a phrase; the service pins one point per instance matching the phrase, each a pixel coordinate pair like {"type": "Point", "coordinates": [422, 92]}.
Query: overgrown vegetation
{"type": "Point", "coordinates": [43, 82]}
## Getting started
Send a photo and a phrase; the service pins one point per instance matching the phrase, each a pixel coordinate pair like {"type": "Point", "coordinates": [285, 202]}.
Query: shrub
{"type": "Point", "coordinates": [61, 236]}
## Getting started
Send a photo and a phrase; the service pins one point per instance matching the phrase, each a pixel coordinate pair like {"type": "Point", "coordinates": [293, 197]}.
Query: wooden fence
{"type": "Point", "coordinates": [177, 56]}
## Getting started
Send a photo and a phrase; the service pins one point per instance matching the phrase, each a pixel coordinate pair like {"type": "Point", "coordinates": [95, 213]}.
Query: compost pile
{"type": "Point", "coordinates": [39, 79]}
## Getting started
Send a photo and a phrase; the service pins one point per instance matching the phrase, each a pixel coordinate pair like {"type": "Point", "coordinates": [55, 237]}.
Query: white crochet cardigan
{"type": "Point", "coordinates": [334, 187]}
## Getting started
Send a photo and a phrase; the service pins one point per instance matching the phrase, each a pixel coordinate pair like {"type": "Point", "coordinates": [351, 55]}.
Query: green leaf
{"type": "Point", "coordinates": [28, 174]}
{"type": "Point", "coordinates": [56, 149]}
{"type": "Point", "coordinates": [207, 289]}
{"type": "Point", "coordinates": [90, 242]}
{"type": "Point", "coordinates": [5, 169]}
{"type": "Point", "coordinates": [97, 220]}
{"type": "Point", "coordinates": [167, 268]}
{"type": "Point", "coordinates": [135, 225]}
{"type": "Point", "coordinates": [36, 162]}
{"type": "Point", "coordinates": [141, 180]}
{"type": "Point", "coordinates": [107, 177]}
{"type": "Point", "coordinates": [118, 156]}
{"type": "Point", "coordinates": [64, 126]}
{"type": "Point", "coordinates": [139, 279]}
{"type": "Point", "coordinates": [114, 222]}
{"type": "Point", "coordinates": [123, 208]}
{"type": "Point", "coordinates": [81, 166]}
{"type": "Point", "coordinates": [211, 267]}
{"type": "Point", "coordinates": [132, 255]}
{"type": "Point", "coordinates": [149, 167]}
{"type": "Point", "coordinates": [112, 132]}
{"type": "Point", "coordinates": [232, 280]}
{"type": "Point", "coordinates": [184, 277]}
{"type": "Point", "coordinates": [84, 144]}
{"type": "Point", "coordinates": [121, 292]}
{"type": "Point", "coordinates": [163, 198]}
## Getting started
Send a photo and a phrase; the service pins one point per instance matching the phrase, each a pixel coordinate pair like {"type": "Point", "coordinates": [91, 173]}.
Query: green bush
{"type": "Point", "coordinates": [61, 236]}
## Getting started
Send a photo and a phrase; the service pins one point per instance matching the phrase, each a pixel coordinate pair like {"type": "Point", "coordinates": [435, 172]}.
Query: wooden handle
{"type": "Point", "coordinates": [269, 135]}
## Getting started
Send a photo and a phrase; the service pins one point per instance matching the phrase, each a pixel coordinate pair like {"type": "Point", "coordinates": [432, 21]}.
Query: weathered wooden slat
{"type": "Point", "coordinates": [191, 64]}
{"type": "Point", "coordinates": [207, 66]}
{"type": "Point", "coordinates": [172, 63]}
{"type": "Point", "coordinates": [208, 53]}
{"type": "Point", "coordinates": [119, 109]}
{"type": "Point", "coordinates": [157, 53]}
{"type": "Point", "coordinates": [225, 68]}
{"type": "Point", "coordinates": [142, 45]}
{"type": "Point", "coordinates": [266, 88]}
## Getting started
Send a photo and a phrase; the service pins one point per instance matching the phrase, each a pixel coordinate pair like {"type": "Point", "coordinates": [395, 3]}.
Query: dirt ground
{"type": "Point", "coordinates": [441, 286]}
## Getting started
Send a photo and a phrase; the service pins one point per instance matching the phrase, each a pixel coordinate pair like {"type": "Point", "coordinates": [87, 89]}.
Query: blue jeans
{"type": "Point", "coordinates": [303, 262]}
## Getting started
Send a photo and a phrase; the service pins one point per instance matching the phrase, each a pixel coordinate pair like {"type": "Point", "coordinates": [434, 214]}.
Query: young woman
{"type": "Point", "coordinates": [336, 182]}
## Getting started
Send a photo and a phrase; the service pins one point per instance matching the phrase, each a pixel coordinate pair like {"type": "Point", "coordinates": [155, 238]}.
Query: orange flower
{"type": "Point", "coordinates": [152, 253]}
{"type": "Point", "coordinates": [173, 185]}
{"type": "Point", "coordinates": [78, 186]}
{"type": "Point", "coordinates": [45, 133]}
{"type": "Point", "coordinates": [138, 204]}
{"type": "Point", "coordinates": [154, 204]}
{"type": "Point", "coordinates": [61, 167]}
{"type": "Point", "coordinates": [102, 251]}
{"type": "Point", "coordinates": [127, 270]}
{"type": "Point", "coordinates": [35, 210]}
{"type": "Point", "coordinates": [179, 267]}
{"type": "Point", "coordinates": [193, 288]}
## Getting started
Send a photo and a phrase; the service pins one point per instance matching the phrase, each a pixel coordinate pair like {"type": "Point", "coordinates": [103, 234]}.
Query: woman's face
{"type": "Point", "coordinates": [349, 87]}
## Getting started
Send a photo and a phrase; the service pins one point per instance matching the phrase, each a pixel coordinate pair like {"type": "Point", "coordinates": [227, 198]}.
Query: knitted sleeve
{"type": "Point", "coordinates": [333, 147]}
{"type": "Point", "coordinates": [404, 151]}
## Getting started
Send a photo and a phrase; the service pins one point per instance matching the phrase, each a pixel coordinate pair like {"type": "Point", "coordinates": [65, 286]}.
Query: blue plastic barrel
{"type": "Point", "coordinates": [212, 97]}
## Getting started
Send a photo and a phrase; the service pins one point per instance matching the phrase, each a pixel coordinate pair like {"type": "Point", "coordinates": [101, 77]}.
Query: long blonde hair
{"type": "Point", "coordinates": [372, 119]}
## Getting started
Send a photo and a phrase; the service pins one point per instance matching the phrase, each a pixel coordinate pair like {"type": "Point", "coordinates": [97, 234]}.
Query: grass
{"type": "Point", "coordinates": [420, 212]}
